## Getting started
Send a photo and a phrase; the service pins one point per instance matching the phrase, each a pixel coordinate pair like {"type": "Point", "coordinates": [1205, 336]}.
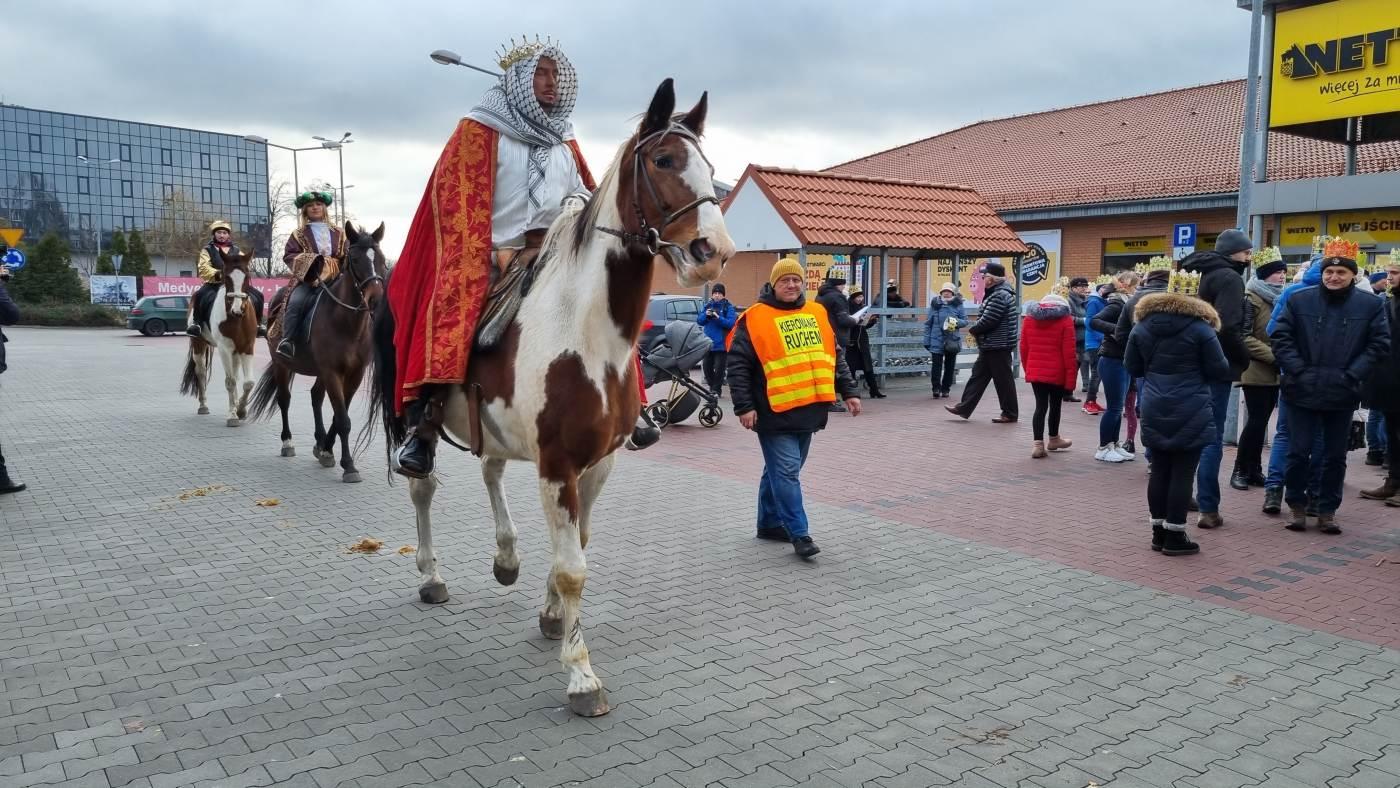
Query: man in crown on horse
{"type": "Point", "coordinates": [313, 254]}
{"type": "Point", "coordinates": [210, 269]}
{"type": "Point", "coordinates": [498, 185]}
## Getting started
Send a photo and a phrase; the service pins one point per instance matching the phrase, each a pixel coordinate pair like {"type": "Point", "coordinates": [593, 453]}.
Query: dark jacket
{"type": "Point", "coordinates": [748, 387]}
{"type": "Point", "coordinates": [1175, 348]}
{"type": "Point", "coordinates": [1078, 308]}
{"type": "Point", "coordinates": [936, 340]}
{"type": "Point", "coordinates": [1327, 347]}
{"type": "Point", "coordinates": [860, 336]}
{"type": "Point", "coordinates": [9, 315]}
{"type": "Point", "coordinates": [838, 311]}
{"type": "Point", "coordinates": [1126, 319]}
{"type": "Point", "coordinates": [1106, 321]}
{"type": "Point", "coordinates": [1093, 305]}
{"type": "Point", "coordinates": [996, 324]}
{"type": "Point", "coordinates": [1047, 346]}
{"type": "Point", "coordinates": [894, 300]}
{"type": "Point", "coordinates": [1222, 286]}
{"type": "Point", "coordinates": [1384, 390]}
{"type": "Point", "coordinates": [717, 328]}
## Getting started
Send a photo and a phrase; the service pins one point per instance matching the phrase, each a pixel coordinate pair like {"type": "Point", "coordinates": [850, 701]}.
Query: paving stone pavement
{"type": "Point", "coordinates": [151, 640]}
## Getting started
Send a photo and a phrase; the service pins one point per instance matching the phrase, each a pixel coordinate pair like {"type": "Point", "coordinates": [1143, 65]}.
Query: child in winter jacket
{"type": "Point", "coordinates": [1051, 364]}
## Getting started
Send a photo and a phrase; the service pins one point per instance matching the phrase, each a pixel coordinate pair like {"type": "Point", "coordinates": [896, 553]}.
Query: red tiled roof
{"type": "Point", "coordinates": [1177, 143]}
{"type": "Point", "coordinates": [826, 209]}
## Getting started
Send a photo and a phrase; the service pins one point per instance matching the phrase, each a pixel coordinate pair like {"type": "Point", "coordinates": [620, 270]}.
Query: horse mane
{"type": "Point", "coordinates": [579, 218]}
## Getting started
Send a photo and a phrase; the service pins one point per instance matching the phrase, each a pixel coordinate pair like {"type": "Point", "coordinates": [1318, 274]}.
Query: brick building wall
{"type": "Point", "coordinates": [1081, 240]}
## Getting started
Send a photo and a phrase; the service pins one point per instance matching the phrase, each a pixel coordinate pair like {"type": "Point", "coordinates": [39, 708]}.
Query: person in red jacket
{"type": "Point", "coordinates": [1048, 357]}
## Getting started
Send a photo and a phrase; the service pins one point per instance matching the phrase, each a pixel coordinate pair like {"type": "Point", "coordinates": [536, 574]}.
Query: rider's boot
{"type": "Point", "coordinates": [414, 458]}
{"type": "Point", "coordinates": [291, 321]}
{"type": "Point", "coordinates": [644, 432]}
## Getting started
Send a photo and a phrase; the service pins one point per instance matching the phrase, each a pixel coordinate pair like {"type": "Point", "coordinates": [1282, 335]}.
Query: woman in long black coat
{"type": "Point", "coordinates": [1175, 348]}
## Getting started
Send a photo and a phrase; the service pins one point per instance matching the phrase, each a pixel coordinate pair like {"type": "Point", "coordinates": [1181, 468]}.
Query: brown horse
{"type": "Point", "coordinates": [336, 355]}
{"type": "Point", "coordinates": [559, 390]}
{"type": "Point", "coordinates": [233, 331]}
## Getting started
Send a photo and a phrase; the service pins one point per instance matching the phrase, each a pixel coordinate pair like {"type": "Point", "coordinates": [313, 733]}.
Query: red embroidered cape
{"type": "Point", "coordinates": [440, 281]}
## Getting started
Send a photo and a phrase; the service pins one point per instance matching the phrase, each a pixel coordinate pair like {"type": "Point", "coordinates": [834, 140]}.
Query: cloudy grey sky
{"type": "Point", "coordinates": [798, 84]}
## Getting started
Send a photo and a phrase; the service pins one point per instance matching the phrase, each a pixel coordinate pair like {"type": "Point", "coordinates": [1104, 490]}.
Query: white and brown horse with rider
{"type": "Point", "coordinates": [560, 388]}
{"type": "Point", "coordinates": [232, 330]}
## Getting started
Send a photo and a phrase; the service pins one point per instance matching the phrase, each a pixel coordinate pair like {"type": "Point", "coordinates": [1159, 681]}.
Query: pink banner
{"type": "Point", "coordinates": [185, 285]}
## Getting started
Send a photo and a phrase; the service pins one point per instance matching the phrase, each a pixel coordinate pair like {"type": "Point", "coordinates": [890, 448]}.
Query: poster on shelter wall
{"type": "Point", "coordinates": [116, 291]}
{"type": "Point", "coordinates": [820, 266]}
{"type": "Point", "coordinates": [1040, 268]}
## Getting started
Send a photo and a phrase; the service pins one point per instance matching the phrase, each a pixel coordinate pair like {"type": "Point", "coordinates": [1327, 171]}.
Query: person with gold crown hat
{"type": "Point", "coordinates": [210, 268]}
{"type": "Point", "coordinates": [498, 185]}
{"type": "Point", "coordinates": [312, 254]}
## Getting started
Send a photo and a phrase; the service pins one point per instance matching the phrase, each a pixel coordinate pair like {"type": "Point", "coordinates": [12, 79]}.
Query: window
{"type": "Point", "coordinates": [206, 194]}
{"type": "Point", "coordinates": [242, 165]}
{"type": "Point", "coordinates": [124, 152]}
{"type": "Point", "coordinates": [126, 189]}
{"type": "Point", "coordinates": [128, 223]}
{"type": "Point", "coordinates": [167, 191]}
{"type": "Point", "coordinates": [36, 181]}
{"type": "Point", "coordinates": [36, 143]}
{"type": "Point", "coordinates": [204, 161]}
{"type": "Point", "coordinates": [187, 274]}
{"type": "Point", "coordinates": [243, 198]}
{"type": "Point", "coordinates": [687, 309]}
{"type": "Point", "coordinates": [85, 222]}
{"type": "Point", "coordinates": [167, 157]}
{"type": "Point", "coordinates": [80, 147]}
{"type": "Point", "coordinates": [84, 185]}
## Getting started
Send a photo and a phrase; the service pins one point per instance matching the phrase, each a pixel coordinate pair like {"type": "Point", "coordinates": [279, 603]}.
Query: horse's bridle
{"type": "Point", "coordinates": [649, 236]}
{"type": "Point", "coordinates": [359, 288]}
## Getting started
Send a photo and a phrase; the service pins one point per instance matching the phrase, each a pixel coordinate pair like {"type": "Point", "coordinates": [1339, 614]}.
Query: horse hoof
{"type": "Point", "coordinates": [433, 593]}
{"type": "Point", "coordinates": [590, 704]}
{"type": "Point", "coordinates": [506, 577]}
{"type": "Point", "coordinates": [203, 411]}
{"type": "Point", "coordinates": [289, 451]}
{"type": "Point", "coordinates": [552, 628]}
{"type": "Point", "coordinates": [327, 460]}
{"type": "Point", "coordinates": [233, 422]}
{"type": "Point", "coordinates": [350, 477]}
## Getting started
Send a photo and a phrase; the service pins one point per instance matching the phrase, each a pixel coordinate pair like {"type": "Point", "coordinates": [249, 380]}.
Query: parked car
{"type": "Point", "coordinates": [661, 310]}
{"type": "Point", "coordinates": [158, 315]}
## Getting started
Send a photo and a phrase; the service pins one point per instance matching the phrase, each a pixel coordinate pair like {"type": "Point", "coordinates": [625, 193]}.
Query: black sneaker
{"type": "Point", "coordinates": [805, 547]}
{"type": "Point", "coordinates": [1159, 535]}
{"type": "Point", "coordinates": [1178, 543]}
{"type": "Point", "coordinates": [774, 534]}
{"type": "Point", "coordinates": [1273, 500]}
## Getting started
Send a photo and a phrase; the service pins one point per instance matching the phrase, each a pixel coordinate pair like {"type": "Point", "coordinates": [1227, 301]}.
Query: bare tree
{"type": "Point", "coordinates": [181, 228]}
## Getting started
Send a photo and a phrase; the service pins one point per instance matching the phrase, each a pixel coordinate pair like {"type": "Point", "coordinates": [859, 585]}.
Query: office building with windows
{"type": "Point", "coordinates": [86, 177]}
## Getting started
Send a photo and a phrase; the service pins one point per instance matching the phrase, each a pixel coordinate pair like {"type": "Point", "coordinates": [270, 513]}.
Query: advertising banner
{"type": "Point", "coordinates": [1299, 229]}
{"type": "Point", "coordinates": [117, 291]}
{"type": "Point", "coordinates": [1040, 268]}
{"type": "Point", "coordinates": [185, 285]}
{"type": "Point", "coordinates": [819, 266]}
{"type": "Point", "coordinates": [1367, 228]}
{"type": "Point", "coordinates": [1335, 60]}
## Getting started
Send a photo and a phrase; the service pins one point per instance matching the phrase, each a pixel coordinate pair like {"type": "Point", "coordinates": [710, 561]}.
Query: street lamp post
{"type": "Point", "coordinates": [296, 183]}
{"type": "Point", "coordinates": [339, 147]}
{"type": "Point", "coordinates": [449, 58]}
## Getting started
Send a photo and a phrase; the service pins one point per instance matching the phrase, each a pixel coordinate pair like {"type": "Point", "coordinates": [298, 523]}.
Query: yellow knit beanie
{"type": "Point", "coordinates": [785, 266]}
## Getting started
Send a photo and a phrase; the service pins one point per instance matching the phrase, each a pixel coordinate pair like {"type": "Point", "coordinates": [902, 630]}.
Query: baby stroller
{"type": "Point", "coordinates": [683, 345]}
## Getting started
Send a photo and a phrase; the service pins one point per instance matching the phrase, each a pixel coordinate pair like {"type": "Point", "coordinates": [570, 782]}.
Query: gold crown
{"type": "Point", "coordinates": [1391, 260]}
{"type": "Point", "coordinates": [1341, 247]}
{"type": "Point", "coordinates": [1103, 280]}
{"type": "Point", "coordinates": [1264, 255]}
{"type": "Point", "coordinates": [1061, 286]}
{"type": "Point", "coordinates": [525, 50]}
{"type": "Point", "coordinates": [1158, 263]}
{"type": "Point", "coordinates": [1184, 283]}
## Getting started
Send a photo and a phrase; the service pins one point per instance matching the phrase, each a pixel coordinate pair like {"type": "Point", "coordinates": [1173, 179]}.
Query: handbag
{"type": "Point", "coordinates": [952, 344]}
{"type": "Point", "coordinates": [1356, 438]}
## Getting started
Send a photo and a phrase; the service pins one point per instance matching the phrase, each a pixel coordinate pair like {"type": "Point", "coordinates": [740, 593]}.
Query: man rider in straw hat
{"type": "Point", "coordinates": [210, 269]}
{"type": "Point", "coordinates": [313, 254]}
{"type": "Point", "coordinates": [497, 187]}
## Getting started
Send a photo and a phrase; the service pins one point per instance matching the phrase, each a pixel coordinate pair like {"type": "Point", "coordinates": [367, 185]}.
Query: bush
{"type": "Point", "coordinates": [71, 315]}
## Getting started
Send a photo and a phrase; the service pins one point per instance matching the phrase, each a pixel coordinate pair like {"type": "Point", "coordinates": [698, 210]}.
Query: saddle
{"type": "Point", "coordinates": [508, 289]}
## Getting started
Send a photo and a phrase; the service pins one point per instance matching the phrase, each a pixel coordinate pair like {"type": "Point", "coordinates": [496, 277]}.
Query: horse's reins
{"type": "Point", "coordinates": [649, 236]}
{"type": "Point", "coordinates": [359, 289]}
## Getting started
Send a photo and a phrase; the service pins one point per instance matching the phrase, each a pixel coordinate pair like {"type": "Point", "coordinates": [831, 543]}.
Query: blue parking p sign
{"type": "Point", "coordinates": [1184, 235]}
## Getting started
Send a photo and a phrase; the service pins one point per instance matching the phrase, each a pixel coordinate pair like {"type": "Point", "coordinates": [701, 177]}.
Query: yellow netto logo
{"type": "Point", "coordinates": [1335, 55]}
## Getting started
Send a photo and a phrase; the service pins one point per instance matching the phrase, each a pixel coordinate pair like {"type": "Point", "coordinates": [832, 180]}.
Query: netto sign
{"type": "Point", "coordinates": [1336, 60]}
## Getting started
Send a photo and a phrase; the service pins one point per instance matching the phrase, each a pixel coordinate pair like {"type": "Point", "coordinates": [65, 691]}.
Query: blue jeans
{"type": "Point", "coordinates": [1115, 391]}
{"type": "Point", "coordinates": [1208, 472]}
{"type": "Point", "coordinates": [780, 489]}
{"type": "Point", "coordinates": [1335, 429]}
{"type": "Point", "coordinates": [1375, 432]}
{"type": "Point", "coordinates": [1278, 454]}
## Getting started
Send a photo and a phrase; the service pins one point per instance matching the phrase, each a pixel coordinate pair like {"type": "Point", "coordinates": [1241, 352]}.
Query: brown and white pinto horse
{"type": "Point", "coordinates": [233, 331]}
{"type": "Point", "coordinates": [560, 389]}
{"type": "Point", "coordinates": [336, 355]}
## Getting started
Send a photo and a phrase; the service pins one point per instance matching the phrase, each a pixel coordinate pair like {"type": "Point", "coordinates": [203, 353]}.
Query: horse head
{"type": "Point", "coordinates": [237, 279]}
{"type": "Point", "coordinates": [667, 196]}
{"type": "Point", "coordinates": [366, 263]}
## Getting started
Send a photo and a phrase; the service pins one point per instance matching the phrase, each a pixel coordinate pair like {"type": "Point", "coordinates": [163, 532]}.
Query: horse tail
{"type": "Point", "coordinates": [264, 394]}
{"type": "Point", "coordinates": [382, 380]}
{"type": "Point", "coordinates": [190, 382]}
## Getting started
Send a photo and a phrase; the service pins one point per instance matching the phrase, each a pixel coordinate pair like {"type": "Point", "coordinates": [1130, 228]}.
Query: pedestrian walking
{"type": "Point", "coordinates": [1051, 364]}
{"type": "Point", "coordinates": [1327, 342]}
{"type": "Point", "coordinates": [943, 337]}
{"type": "Point", "coordinates": [1174, 348]}
{"type": "Point", "coordinates": [1111, 372]}
{"type": "Point", "coordinates": [717, 318]}
{"type": "Point", "coordinates": [995, 332]}
{"type": "Point", "coordinates": [786, 335]}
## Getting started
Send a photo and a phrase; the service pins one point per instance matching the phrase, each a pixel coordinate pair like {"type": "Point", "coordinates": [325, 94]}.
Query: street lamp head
{"type": "Point", "coordinates": [255, 138]}
{"type": "Point", "coordinates": [82, 159]}
{"type": "Point", "coordinates": [446, 57]}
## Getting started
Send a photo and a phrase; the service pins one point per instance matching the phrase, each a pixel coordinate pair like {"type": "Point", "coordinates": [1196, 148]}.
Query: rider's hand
{"type": "Point", "coordinates": [748, 419]}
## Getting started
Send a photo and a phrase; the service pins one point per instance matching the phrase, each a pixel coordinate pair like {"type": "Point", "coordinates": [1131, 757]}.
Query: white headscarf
{"type": "Point", "coordinates": [512, 109]}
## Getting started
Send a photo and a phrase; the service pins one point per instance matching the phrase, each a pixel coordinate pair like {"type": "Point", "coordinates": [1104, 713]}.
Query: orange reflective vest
{"type": "Point", "coordinates": [797, 350]}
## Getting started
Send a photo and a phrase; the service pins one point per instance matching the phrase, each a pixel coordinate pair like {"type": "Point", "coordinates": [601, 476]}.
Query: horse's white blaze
{"type": "Point", "coordinates": [236, 286]}
{"type": "Point", "coordinates": [369, 254]}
